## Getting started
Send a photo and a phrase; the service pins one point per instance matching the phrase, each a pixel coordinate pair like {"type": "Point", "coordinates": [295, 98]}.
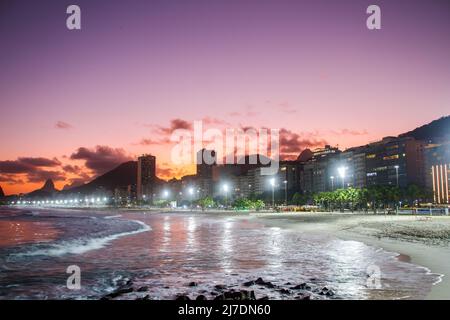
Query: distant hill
{"type": "Point", "coordinates": [121, 176]}
{"type": "Point", "coordinates": [47, 190]}
{"type": "Point", "coordinates": [433, 131]}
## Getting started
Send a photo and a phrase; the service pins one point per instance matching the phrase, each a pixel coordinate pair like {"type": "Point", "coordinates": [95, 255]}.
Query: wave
{"type": "Point", "coordinates": [114, 216]}
{"type": "Point", "coordinates": [80, 246]}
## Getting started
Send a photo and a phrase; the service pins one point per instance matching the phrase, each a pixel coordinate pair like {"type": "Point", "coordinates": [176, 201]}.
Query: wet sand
{"type": "Point", "coordinates": [422, 242]}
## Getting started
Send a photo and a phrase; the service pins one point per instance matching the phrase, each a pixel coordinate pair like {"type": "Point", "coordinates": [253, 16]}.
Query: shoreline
{"type": "Point", "coordinates": [433, 257]}
{"type": "Point", "coordinates": [424, 243]}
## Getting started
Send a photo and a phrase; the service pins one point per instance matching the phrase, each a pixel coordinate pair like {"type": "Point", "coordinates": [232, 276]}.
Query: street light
{"type": "Point", "coordinates": [165, 194]}
{"type": "Point", "coordinates": [332, 183]}
{"type": "Point", "coordinates": [285, 192]}
{"type": "Point", "coordinates": [225, 189]}
{"type": "Point", "coordinates": [341, 171]}
{"type": "Point", "coordinates": [191, 193]}
{"type": "Point", "coordinates": [272, 183]}
{"type": "Point", "coordinates": [396, 173]}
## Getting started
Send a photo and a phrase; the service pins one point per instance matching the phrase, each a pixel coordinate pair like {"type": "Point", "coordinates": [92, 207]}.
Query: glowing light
{"type": "Point", "coordinates": [342, 171]}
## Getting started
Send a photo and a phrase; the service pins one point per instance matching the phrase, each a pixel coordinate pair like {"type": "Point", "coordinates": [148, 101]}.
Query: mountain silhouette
{"type": "Point", "coordinates": [434, 131]}
{"type": "Point", "coordinates": [47, 190]}
{"type": "Point", "coordinates": [126, 173]}
{"type": "Point", "coordinates": [2, 194]}
{"type": "Point", "coordinates": [123, 175]}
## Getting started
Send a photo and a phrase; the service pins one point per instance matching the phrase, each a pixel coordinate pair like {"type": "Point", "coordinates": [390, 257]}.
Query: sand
{"type": "Point", "coordinates": [421, 241]}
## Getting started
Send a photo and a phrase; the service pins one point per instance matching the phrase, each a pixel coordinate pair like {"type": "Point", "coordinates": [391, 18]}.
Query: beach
{"type": "Point", "coordinates": [168, 254]}
{"type": "Point", "coordinates": [418, 240]}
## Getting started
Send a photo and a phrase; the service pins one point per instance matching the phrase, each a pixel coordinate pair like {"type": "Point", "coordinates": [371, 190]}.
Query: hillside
{"type": "Point", "coordinates": [435, 130]}
{"type": "Point", "coordinates": [122, 176]}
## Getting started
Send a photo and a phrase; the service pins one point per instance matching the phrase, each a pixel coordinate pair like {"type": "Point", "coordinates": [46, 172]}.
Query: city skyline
{"type": "Point", "coordinates": [78, 104]}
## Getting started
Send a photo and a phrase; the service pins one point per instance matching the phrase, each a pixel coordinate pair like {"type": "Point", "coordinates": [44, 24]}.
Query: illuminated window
{"type": "Point", "coordinates": [371, 156]}
{"type": "Point", "coordinates": [394, 156]}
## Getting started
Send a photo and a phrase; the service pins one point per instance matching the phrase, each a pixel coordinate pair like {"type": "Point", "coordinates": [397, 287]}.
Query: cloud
{"type": "Point", "coordinates": [292, 143]}
{"type": "Point", "coordinates": [40, 162]}
{"type": "Point", "coordinates": [42, 175]}
{"type": "Point", "coordinates": [74, 169]}
{"type": "Point", "coordinates": [214, 121]}
{"type": "Point", "coordinates": [26, 164]}
{"type": "Point", "coordinates": [169, 172]}
{"type": "Point", "coordinates": [62, 125]}
{"type": "Point", "coordinates": [101, 158]}
{"type": "Point", "coordinates": [10, 179]}
{"type": "Point", "coordinates": [174, 125]}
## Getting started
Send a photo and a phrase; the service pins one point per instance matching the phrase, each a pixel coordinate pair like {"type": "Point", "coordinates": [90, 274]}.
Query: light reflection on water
{"type": "Point", "coordinates": [217, 250]}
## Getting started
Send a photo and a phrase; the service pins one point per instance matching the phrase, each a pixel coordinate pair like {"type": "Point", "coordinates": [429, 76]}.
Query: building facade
{"type": "Point", "coordinates": [437, 171]}
{"type": "Point", "coordinates": [146, 177]}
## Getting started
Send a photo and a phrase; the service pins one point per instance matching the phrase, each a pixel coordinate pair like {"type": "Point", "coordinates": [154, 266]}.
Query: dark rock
{"type": "Point", "coordinates": [236, 295]}
{"type": "Point", "coordinates": [146, 297]}
{"type": "Point", "coordinates": [248, 283]}
{"type": "Point", "coordinates": [213, 293]}
{"type": "Point", "coordinates": [284, 291]}
{"type": "Point", "coordinates": [251, 295]}
{"type": "Point", "coordinates": [219, 297]}
{"type": "Point", "coordinates": [124, 282]}
{"type": "Point", "coordinates": [193, 284]}
{"type": "Point", "coordinates": [267, 284]}
{"type": "Point", "coordinates": [302, 286]}
{"type": "Point", "coordinates": [142, 289]}
{"type": "Point", "coordinates": [326, 292]}
{"type": "Point", "coordinates": [303, 296]}
{"type": "Point", "coordinates": [182, 297]}
{"type": "Point", "coordinates": [240, 295]}
{"type": "Point", "coordinates": [263, 298]}
{"type": "Point", "coordinates": [219, 287]}
{"type": "Point", "coordinates": [287, 284]}
{"type": "Point", "coordinates": [201, 297]}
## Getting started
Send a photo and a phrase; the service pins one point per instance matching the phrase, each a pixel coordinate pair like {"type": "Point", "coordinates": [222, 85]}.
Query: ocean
{"type": "Point", "coordinates": [164, 252]}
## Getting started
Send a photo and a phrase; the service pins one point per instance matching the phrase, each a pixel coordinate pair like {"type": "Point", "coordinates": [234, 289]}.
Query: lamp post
{"type": "Point", "coordinates": [272, 183]}
{"type": "Point", "coordinates": [225, 189]}
{"type": "Point", "coordinates": [396, 173]}
{"type": "Point", "coordinates": [332, 183]}
{"type": "Point", "coordinates": [191, 194]}
{"type": "Point", "coordinates": [285, 192]}
{"type": "Point", "coordinates": [342, 171]}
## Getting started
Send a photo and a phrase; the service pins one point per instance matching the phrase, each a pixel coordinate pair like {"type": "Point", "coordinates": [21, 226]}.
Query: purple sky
{"type": "Point", "coordinates": [310, 67]}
